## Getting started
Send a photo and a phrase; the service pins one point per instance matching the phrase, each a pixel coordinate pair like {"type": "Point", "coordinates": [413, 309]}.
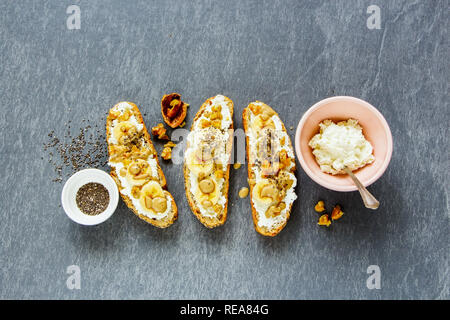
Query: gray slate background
{"type": "Point", "coordinates": [289, 54]}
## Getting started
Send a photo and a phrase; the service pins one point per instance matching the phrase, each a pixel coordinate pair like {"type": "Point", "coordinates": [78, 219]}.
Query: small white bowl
{"type": "Point", "coordinates": [74, 183]}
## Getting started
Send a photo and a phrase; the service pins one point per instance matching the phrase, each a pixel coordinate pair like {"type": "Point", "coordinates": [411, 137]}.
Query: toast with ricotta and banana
{"type": "Point", "coordinates": [135, 168]}
{"type": "Point", "coordinates": [207, 161]}
{"type": "Point", "coordinates": [271, 168]}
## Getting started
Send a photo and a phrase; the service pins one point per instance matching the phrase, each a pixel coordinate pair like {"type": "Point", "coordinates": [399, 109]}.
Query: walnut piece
{"type": "Point", "coordinates": [337, 212]}
{"type": "Point", "coordinates": [319, 207]}
{"type": "Point", "coordinates": [166, 154]}
{"type": "Point", "coordinates": [324, 220]}
{"type": "Point", "coordinates": [160, 132]}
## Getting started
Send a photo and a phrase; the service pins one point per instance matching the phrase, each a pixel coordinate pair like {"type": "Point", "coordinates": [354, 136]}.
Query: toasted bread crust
{"type": "Point", "coordinates": [207, 221]}
{"type": "Point", "coordinates": [170, 219]}
{"type": "Point", "coordinates": [262, 230]}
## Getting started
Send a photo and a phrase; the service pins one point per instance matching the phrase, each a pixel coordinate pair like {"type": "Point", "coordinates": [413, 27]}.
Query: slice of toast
{"type": "Point", "coordinates": [207, 161]}
{"type": "Point", "coordinates": [135, 167]}
{"type": "Point", "coordinates": [271, 168]}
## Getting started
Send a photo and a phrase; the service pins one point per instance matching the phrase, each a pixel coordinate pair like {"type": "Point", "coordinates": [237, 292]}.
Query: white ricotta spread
{"type": "Point", "coordinates": [341, 145]}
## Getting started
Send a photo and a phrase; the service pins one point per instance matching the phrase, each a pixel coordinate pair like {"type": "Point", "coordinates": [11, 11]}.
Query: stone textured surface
{"type": "Point", "coordinates": [289, 54]}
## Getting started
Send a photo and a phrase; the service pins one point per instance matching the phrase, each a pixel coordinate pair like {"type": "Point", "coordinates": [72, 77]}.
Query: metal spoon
{"type": "Point", "coordinates": [369, 200]}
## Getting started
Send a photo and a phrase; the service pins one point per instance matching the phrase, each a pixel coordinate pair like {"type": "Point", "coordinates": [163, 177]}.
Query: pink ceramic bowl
{"type": "Point", "coordinates": [375, 129]}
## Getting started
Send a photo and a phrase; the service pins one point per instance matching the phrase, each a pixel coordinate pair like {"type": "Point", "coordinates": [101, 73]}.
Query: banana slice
{"type": "Point", "coordinates": [138, 172]}
{"type": "Point", "coordinates": [265, 192]}
{"type": "Point", "coordinates": [152, 198]}
{"type": "Point", "coordinates": [197, 167]}
{"type": "Point", "coordinates": [262, 121]}
{"type": "Point", "coordinates": [124, 131]}
{"type": "Point", "coordinates": [207, 193]}
{"type": "Point", "coordinates": [256, 124]}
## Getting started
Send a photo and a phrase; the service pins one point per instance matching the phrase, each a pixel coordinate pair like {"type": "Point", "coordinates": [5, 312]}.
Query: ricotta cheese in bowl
{"type": "Point", "coordinates": [375, 129]}
{"type": "Point", "coordinates": [341, 145]}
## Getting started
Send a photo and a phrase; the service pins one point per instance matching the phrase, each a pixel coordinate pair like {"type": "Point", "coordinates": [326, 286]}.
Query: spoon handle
{"type": "Point", "coordinates": [369, 200]}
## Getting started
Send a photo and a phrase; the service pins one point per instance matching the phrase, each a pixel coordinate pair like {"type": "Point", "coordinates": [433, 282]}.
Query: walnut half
{"type": "Point", "coordinates": [173, 109]}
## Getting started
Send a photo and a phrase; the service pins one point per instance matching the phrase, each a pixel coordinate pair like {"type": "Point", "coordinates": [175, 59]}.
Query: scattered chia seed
{"type": "Point", "coordinates": [73, 152]}
{"type": "Point", "coordinates": [92, 198]}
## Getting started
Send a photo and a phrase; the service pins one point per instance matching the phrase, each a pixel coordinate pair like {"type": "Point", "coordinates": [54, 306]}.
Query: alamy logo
{"type": "Point", "coordinates": [374, 280]}
{"type": "Point", "coordinates": [74, 280]}
{"type": "Point", "coordinates": [74, 20]}
{"type": "Point", "coordinates": [374, 20]}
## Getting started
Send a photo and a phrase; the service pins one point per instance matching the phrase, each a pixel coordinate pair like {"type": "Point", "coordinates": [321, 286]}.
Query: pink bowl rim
{"type": "Point", "coordinates": [323, 182]}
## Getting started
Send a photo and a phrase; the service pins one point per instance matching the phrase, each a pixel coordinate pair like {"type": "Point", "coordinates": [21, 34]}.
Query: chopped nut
{"type": "Point", "coordinates": [324, 220]}
{"type": "Point", "coordinates": [216, 116]}
{"type": "Point", "coordinates": [284, 159]}
{"type": "Point", "coordinates": [123, 172]}
{"type": "Point", "coordinates": [170, 144]}
{"type": "Point", "coordinates": [173, 109]}
{"type": "Point", "coordinates": [136, 192]}
{"type": "Point", "coordinates": [284, 182]}
{"type": "Point", "coordinates": [126, 163]}
{"type": "Point", "coordinates": [216, 124]}
{"type": "Point", "coordinates": [337, 212]}
{"type": "Point", "coordinates": [217, 208]}
{"type": "Point", "coordinates": [124, 139]}
{"type": "Point", "coordinates": [256, 109]}
{"type": "Point", "coordinates": [273, 211]}
{"type": "Point", "coordinates": [134, 149]}
{"type": "Point", "coordinates": [132, 131]}
{"type": "Point", "coordinates": [217, 108]}
{"type": "Point", "coordinates": [160, 132]}
{"type": "Point", "coordinates": [219, 174]}
{"type": "Point", "coordinates": [166, 154]}
{"type": "Point", "coordinates": [205, 123]}
{"type": "Point", "coordinates": [243, 192]}
{"type": "Point", "coordinates": [114, 114]}
{"type": "Point", "coordinates": [237, 165]}
{"type": "Point", "coordinates": [125, 116]}
{"type": "Point", "coordinates": [320, 206]}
